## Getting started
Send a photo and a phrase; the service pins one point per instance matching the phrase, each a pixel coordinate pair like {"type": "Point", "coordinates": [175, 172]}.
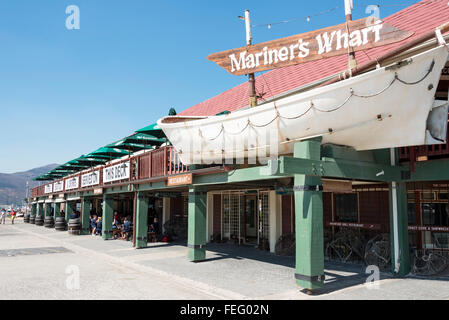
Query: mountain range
{"type": "Point", "coordinates": [13, 185]}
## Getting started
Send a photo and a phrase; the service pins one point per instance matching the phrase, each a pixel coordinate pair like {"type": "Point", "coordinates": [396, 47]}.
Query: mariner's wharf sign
{"type": "Point", "coordinates": [58, 186]}
{"type": "Point", "coordinates": [72, 183]}
{"type": "Point", "coordinates": [118, 172]}
{"type": "Point", "coordinates": [48, 188]}
{"type": "Point", "coordinates": [90, 179]}
{"type": "Point", "coordinates": [357, 35]}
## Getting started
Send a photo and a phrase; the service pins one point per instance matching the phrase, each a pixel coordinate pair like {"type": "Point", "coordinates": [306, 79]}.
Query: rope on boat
{"type": "Point", "coordinates": [312, 105]}
{"type": "Point", "coordinates": [416, 82]}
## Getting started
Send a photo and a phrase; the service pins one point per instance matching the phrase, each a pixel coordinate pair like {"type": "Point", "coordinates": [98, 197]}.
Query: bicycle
{"type": "Point", "coordinates": [377, 252]}
{"type": "Point", "coordinates": [429, 263]}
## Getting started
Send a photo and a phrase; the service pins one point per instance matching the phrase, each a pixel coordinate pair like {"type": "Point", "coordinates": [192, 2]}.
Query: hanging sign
{"type": "Point", "coordinates": [48, 188]}
{"type": "Point", "coordinates": [90, 179]}
{"type": "Point", "coordinates": [337, 186]}
{"type": "Point", "coordinates": [167, 195]}
{"type": "Point", "coordinates": [58, 186]}
{"type": "Point", "coordinates": [429, 228]}
{"type": "Point", "coordinates": [72, 183]}
{"type": "Point", "coordinates": [118, 172]}
{"type": "Point", "coordinates": [333, 41]}
{"type": "Point", "coordinates": [354, 225]}
{"type": "Point", "coordinates": [179, 180]}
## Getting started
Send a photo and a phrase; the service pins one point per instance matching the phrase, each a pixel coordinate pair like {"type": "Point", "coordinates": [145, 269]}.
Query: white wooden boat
{"type": "Point", "coordinates": [385, 108]}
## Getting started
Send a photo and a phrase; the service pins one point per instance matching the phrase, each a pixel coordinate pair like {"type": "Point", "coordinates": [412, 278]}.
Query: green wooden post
{"type": "Point", "coordinates": [309, 220]}
{"type": "Point", "coordinates": [34, 209]}
{"type": "Point", "coordinates": [197, 224]}
{"type": "Point", "coordinates": [69, 208]}
{"type": "Point", "coordinates": [57, 209]}
{"type": "Point", "coordinates": [400, 251]}
{"type": "Point", "coordinates": [85, 216]}
{"type": "Point", "coordinates": [141, 223]}
{"type": "Point", "coordinates": [108, 215]}
{"type": "Point", "coordinates": [40, 209]}
{"type": "Point", "coordinates": [47, 209]}
{"type": "Point", "coordinates": [400, 258]}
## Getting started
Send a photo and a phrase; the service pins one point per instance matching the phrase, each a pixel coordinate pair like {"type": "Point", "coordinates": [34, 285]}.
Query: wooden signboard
{"type": "Point", "coordinates": [429, 228]}
{"type": "Point", "coordinates": [354, 225]}
{"type": "Point", "coordinates": [359, 35]}
{"type": "Point", "coordinates": [337, 186]}
{"type": "Point", "coordinates": [179, 180]}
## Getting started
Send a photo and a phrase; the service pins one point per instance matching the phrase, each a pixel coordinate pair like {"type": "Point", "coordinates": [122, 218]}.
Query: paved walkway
{"type": "Point", "coordinates": [114, 270]}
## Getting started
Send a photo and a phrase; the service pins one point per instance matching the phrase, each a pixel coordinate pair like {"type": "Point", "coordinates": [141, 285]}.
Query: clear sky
{"type": "Point", "coordinates": [64, 93]}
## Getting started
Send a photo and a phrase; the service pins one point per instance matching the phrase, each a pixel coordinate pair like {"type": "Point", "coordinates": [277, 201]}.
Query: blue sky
{"type": "Point", "coordinates": [64, 93]}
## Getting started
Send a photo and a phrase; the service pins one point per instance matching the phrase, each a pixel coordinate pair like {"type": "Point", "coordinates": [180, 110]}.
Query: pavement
{"type": "Point", "coordinates": [41, 263]}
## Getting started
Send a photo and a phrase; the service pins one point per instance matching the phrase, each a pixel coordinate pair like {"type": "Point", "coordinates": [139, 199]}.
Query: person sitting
{"type": "Point", "coordinates": [126, 229]}
{"type": "Point", "coordinates": [117, 220]}
{"type": "Point", "coordinates": [99, 226]}
{"type": "Point", "coordinates": [93, 224]}
{"type": "Point", "coordinates": [156, 225]}
{"type": "Point", "coordinates": [117, 231]}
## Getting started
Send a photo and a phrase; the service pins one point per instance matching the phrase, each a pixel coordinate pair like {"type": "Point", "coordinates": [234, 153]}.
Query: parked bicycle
{"type": "Point", "coordinates": [377, 252]}
{"type": "Point", "coordinates": [429, 262]}
{"type": "Point", "coordinates": [346, 246]}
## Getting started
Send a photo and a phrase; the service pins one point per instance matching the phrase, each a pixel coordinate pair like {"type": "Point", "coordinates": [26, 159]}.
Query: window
{"type": "Point", "coordinates": [411, 212]}
{"type": "Point", "coordinates": [346, 207]}
{"type": "Point", "coordinates": [435, 214]}
{"type": "Point", "coordinates": [441, 240]}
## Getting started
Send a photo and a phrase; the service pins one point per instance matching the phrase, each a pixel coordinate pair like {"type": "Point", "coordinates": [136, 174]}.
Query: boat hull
{"type": "Point", "coordinates": [384, 108]}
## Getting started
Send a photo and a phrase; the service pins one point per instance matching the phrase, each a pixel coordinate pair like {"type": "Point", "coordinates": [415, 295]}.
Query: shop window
{"type": "Point", "coordinates": [346, 207]}
{"type": "Point", "coordinates": [411, 212]}
{"type": "Point", "coordinates": [441, 240]}
{"type": "Point", "coordinates": [443, 196]}
{"type": "Point", "coordinates": [427, 196]}
{"type": "Point", "coordinates": [435, 214]}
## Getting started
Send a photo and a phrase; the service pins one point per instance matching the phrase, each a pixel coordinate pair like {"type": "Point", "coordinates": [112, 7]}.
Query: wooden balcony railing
{"type": "Point", "coordinates": [156, 163]}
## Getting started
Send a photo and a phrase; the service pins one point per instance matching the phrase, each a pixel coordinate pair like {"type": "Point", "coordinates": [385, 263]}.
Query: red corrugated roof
{"type": "Point", "coordinates": [419, 18]}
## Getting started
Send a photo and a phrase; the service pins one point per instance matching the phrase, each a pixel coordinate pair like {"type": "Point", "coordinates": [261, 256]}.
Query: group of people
{"type": "Point", "coordinates": [120, 229]}
{"type": "Point", "coordinates": [5, 213]}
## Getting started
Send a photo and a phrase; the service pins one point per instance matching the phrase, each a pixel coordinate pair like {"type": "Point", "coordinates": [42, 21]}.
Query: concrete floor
{"type": "Point", "coordinates": [34, 262]}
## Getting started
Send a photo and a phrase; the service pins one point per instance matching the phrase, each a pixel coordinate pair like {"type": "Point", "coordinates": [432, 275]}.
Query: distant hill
{"type": "Point", "coordinates": [13, 185]}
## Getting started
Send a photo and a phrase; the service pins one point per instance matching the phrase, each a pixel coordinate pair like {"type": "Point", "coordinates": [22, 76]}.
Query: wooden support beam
{"type": "Point", "coordinates": [197, 224]}
{"type": "Point", "coordinates": [85, 216]}
{"type": "Point", "coordinates": [309, 221]}
{"type": "Point", "coordinates": [141, 221]}
{"type": "Point", "coordinates": [108, 217]}
{"type": "Point", "coordinates": [432, 170]}
{"type": "Point", "coordinates": [343, 169]}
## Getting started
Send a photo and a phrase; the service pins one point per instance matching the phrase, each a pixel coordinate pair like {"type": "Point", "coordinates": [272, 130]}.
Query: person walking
{"type": "Point", "coordinates": [3, 216]}
{"type": "Point", "coordinates": [13, 216]}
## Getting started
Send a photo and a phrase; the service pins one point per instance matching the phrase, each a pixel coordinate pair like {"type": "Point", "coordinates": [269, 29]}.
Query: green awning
{"type": "Point", "coordinates": [62, 171]}
{"type": "Point", "coordinates": [101, 157]}
{"type": "Point", "coordinates": [72, 167]}
{"type": "Point", "coordinates": [144, 139]}
{"type": "Point", "coordinates": [153, 130]}
{"type": "Point", "coordinates": [110, 152]}
{"type": "Point", "coordinates": [44, 177]}
{"type": "Point", "coordinates": [91, 161]}
{"type": "Point", "coordinates": [130, 147]}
